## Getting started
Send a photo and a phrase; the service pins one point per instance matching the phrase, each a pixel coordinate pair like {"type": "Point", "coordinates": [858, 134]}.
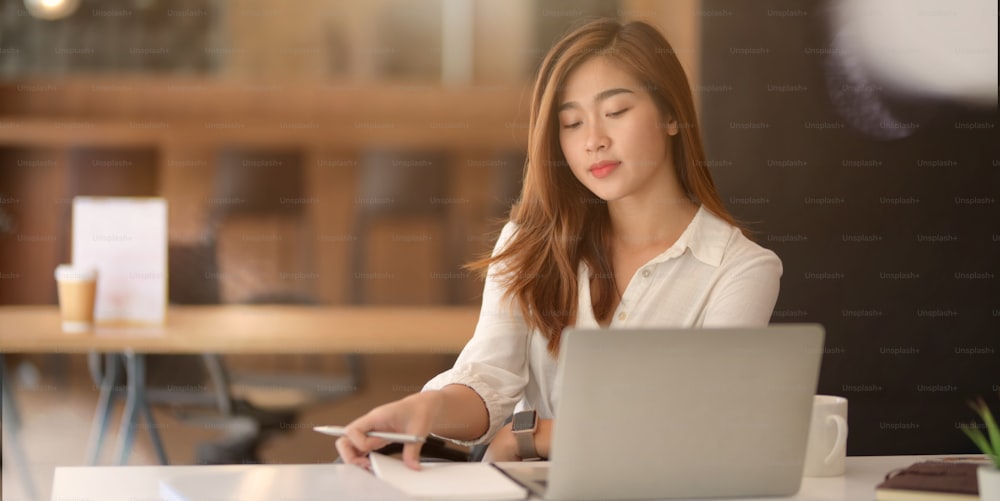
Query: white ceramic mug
{"type": "Point", "coordinates": [826, 450]}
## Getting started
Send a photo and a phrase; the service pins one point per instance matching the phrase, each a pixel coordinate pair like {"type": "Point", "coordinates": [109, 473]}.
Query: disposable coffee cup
{"type": "Point", "coordinates": [77, 293]}
{"type": "Point", "coordinates": [826, 449]}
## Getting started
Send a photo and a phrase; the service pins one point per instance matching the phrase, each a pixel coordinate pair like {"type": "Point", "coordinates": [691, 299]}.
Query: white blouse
{"type": "Point", "coordinates": [712, 276]}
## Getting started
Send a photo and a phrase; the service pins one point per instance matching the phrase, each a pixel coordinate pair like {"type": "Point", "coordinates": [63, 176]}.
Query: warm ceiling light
{"type": "Point", "coordinates": [51, 9]}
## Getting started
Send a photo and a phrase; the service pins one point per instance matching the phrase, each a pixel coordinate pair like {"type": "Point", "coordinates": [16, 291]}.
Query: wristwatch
{"type": "Point", "coordinates": [524, 425]}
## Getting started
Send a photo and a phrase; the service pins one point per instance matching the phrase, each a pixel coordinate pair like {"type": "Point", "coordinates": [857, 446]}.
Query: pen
{"type": "Point", "coordinates": [402, 438]}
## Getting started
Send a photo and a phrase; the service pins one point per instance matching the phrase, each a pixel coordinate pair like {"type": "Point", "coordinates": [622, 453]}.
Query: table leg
{"type": "Point", "coordinates": [154, 433]}
{"type": "Point", "coordinates": [105, 399]}
{"type": "Point", "coordinates": [11, 428]}
{"type": "Point", "coordinates": [135, 402]}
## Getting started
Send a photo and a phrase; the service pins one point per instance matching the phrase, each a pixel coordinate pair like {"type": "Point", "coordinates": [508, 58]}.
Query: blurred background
{"type": "Point", "coordinates": [335, 152]}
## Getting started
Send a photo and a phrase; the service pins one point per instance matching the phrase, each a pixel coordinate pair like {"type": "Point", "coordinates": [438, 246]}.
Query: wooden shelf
{"type": "Point", "coordinates": [350, 136]}
{"type": "Point", "coordinates": [144, 111]}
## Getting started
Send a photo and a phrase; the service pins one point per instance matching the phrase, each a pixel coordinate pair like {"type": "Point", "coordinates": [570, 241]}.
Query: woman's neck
{"type": "Point", "coordinates": [640, 222]}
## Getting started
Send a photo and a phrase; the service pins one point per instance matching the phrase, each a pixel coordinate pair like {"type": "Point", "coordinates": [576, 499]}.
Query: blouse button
{"type": "Point", "coordinates": [621, 316]}
{"type": "Point", "coordinates": [645, 273]}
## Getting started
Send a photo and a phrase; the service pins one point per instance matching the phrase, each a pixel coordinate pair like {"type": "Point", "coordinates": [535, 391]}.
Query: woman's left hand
{"type": "Point", "coordinates": [504, 444]}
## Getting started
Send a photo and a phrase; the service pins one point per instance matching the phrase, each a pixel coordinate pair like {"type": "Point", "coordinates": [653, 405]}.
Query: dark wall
{"type": "Point", "coordinates": [889, 231]}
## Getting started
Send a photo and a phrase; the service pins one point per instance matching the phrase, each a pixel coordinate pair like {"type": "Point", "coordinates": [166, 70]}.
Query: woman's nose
{"type": "Point", "coordinates": [597, 139]}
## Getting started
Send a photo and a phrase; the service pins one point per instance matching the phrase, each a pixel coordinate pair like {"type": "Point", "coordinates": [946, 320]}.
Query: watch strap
{"type": "Point", "coordinates": [526, 441]}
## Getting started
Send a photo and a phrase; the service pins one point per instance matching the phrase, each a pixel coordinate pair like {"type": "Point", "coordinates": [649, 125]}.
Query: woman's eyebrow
{"type": "Point", "coordinates": [601, 96]}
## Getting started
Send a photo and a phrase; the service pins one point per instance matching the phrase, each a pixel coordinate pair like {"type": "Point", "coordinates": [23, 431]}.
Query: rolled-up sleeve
{"type": "Point", "coordinates": [494, 363]}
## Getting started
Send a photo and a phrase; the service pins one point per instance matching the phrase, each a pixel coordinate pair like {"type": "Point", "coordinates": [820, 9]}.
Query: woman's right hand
{"type": "Point", "coordinates": [413, 415]}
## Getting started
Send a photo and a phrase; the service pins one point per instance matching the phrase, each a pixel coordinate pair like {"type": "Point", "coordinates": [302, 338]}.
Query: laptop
{"type": "Point", "coordinates": [679, 413]}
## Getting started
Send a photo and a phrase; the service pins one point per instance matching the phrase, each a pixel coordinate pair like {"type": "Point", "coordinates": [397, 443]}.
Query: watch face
{"type": "Point", "coordinates": [523, 421]}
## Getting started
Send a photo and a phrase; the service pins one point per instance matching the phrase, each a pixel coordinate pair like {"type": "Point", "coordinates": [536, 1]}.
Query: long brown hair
{"type": "Point", "coordinates": [559, 221]}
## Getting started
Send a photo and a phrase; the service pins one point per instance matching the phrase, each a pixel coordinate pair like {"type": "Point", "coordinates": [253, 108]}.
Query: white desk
{"type": "Point", "coordinates": [128, 483]}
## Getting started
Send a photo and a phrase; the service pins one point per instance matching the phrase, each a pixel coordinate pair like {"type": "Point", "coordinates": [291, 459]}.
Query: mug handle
{"type": "Point", "coordinates": [840, 445]}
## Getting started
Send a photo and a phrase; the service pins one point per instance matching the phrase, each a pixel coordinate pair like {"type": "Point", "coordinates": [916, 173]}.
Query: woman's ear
{"type": "Point", "coordinates": [671, 126]}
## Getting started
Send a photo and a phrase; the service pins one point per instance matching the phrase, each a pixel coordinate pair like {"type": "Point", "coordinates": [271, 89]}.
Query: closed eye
{"type": "Point", "coordinates": [618, 113]}
{"type": "Point", "coordinates": [572, 125]}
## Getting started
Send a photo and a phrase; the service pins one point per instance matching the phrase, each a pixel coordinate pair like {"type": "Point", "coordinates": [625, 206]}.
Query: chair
{"type": "Point", "coordinates": [194, 280]}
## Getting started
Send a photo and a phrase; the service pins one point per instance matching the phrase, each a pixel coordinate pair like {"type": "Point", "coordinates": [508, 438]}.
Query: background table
{"type": "Point", "coordinates": [252, 329]}
{"type": "Point", "coordinates": [230, 329]}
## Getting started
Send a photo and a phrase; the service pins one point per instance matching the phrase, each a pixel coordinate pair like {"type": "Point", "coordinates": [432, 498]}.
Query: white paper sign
{"type": "Point", "coordinates": [126, 240]}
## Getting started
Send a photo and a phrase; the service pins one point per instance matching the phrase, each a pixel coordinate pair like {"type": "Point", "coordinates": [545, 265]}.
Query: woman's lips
{"type": "Point", "coordinates": [601, 170]}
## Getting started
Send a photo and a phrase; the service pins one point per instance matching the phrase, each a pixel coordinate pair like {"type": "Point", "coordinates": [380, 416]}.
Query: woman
{"type": "Point", "coordinates": [619, 225]}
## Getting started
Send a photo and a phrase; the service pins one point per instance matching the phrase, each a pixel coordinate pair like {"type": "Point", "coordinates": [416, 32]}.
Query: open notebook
{"type": "Point", "coordinates": [465, 481]}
